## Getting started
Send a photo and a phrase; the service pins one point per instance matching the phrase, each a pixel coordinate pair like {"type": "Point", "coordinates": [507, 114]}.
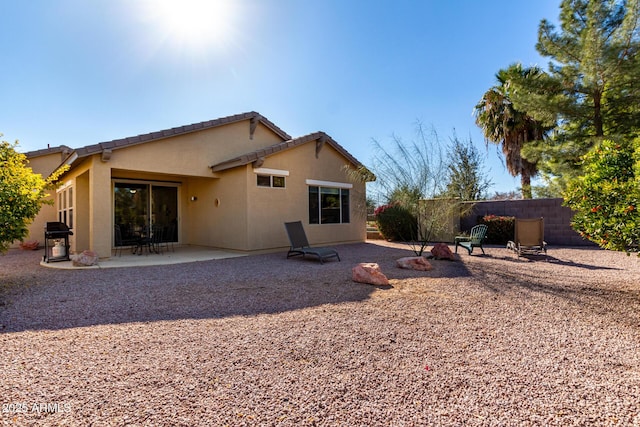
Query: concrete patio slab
{"type": "Point", "coordinates": [180, 255]}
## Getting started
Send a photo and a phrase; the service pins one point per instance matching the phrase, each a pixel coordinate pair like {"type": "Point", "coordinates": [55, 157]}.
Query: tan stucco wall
{"type": "Point", "coordinates": [219, 217]}
{"type": "Point", "coordinates": [100, 209]}
{"type": "Point", "coordinates": [81, 237]}
{"type": "Point", "coordinates": [270, 208]}
{"type": "Point", "coordinates": [232, 212]}
{"type": "Point", "coordinates": [192, 154]}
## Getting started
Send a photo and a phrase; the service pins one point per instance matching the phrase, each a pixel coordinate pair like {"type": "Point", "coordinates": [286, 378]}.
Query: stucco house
{"type": "Point", "coordinates": [226, 183]}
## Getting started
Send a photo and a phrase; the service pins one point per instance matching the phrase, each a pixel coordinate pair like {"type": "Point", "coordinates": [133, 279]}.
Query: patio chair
{"type": "Point", "coordinates": [300, 244]}
{"type": "Point", "coordinates": [157, 237]}
{"type": "Point", "coordinates": [529, 237]}
{"type": "Point", "coordinates": [123, 242]}
{"type": "Point", "coordinates": [145, 241]}
{"type": "Point", "coordinates": [473, 240]}
{"type": "Point", "coordinates": [169, 236]}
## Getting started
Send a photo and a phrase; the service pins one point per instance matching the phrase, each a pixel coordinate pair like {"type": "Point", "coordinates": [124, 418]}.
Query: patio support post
{"type": "Point", "coordinates": [100, 222]}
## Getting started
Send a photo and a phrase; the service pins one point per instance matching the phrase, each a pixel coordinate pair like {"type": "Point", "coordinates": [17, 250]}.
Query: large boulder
{"type": "Point", "coordinates": [369, 272]}
{"type": "Point", "coordinates": [414, 263]}
{"type": "Point", "coordinates": [442, 251]}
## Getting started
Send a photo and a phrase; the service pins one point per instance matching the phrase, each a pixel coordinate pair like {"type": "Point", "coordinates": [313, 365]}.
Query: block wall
{"type": "Point", "coordinates": [557, 228]}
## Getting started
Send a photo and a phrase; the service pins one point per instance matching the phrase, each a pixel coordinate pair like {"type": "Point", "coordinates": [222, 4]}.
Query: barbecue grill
{"type": "Point", "coordinates": [56, 242]}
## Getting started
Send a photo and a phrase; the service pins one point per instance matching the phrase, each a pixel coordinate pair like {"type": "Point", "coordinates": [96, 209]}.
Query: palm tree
{"type": "Point", "coordinates": [502, 124]}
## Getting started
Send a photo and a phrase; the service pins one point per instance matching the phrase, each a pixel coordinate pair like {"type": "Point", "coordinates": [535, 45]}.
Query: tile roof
{"type": "Point", "coordinates": [180, 130]}
{"type": "Point", "coordinates": [288, 142]}
{"type": "Point", "coordinates": [49, 150]}
{"type": "Point", "coordinates": [253, 156]}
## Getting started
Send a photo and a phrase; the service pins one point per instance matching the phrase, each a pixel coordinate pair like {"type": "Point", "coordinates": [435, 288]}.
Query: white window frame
{"type": "Point", "coordinates": [330, 184]}
{"type": "Point", "coordinates": [317, 183]}
{"type": "Point", "coordinates": [271, 173]}
{"type": "Point", "coordinates": [65, 204]}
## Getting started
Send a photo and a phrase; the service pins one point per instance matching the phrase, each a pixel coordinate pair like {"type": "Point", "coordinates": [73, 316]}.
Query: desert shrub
{"type": "Point", "coordinates": [396, 223]}
{"type": "Point", "coordinates": [500, 228]}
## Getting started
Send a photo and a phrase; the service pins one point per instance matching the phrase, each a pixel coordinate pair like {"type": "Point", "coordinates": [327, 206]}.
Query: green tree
{"type": "Point", "coordinates": [607, 197]}
{"type": "Point", "coordinates": [591, 88]}
{"type": "Point", "coordinates": [466, 179]}
{"type": "Point", "coordinates": [22, 193]}
{"type": "Point", "coordinates": [511, 128]}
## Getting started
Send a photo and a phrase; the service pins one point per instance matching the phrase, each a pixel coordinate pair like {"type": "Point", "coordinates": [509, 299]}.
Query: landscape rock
{"type": "Point", "coordinates": [31, 245]}
{"type": "Point", "coordinates": [85, 259]}
{"type": "Point", "coordinates": [442, 251]}
{"type": "Point", "coordinates": [369, 272]}
{"type": "Point", "coordinates": [414, 263]}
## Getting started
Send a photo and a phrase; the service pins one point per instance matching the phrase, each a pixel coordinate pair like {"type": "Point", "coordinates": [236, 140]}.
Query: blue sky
{"type": "Point", "coordinates": [79, 72]}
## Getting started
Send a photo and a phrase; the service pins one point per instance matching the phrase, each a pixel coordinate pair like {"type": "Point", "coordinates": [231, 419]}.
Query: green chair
{"type": "Point", "coordinates": [473, 240]}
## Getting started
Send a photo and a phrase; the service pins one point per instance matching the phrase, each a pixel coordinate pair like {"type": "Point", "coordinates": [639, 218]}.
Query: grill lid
{"type": "Point", "coordinates": [57, 226]}
{"type": "Point", "coordinates": [57, 229]}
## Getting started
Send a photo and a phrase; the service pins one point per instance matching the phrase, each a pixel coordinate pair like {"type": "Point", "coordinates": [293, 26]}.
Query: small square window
{"type": "Point", "coordinates": [264, 181]}
{"type": "Point", "coordinates": [278, 181]}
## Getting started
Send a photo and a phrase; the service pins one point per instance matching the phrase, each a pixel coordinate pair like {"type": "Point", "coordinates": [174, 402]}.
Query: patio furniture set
{"type": "Point", "coordinates": [153, 239]}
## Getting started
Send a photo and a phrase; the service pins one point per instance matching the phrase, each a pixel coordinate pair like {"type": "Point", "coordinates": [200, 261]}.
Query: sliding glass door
{"type": "Point", "coordinates": [164, 210]}
{"type": "Point", "coordinates": [139, 206]}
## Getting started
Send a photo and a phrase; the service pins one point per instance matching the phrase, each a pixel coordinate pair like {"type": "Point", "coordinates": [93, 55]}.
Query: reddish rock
{"type": "Point", "coordinates": [31, 245]}
{"type": "Point", "coordinates": [414, 263]}
{"type": "Point", "coordinates": [368, 272]}
{"type": "Point", "coordinates": [85, 259]}
{"type": "Point", "coordinates": [442, 251]}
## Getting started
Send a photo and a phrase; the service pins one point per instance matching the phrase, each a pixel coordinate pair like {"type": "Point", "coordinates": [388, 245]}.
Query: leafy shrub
{"type": "Point", "coordinates": [22, 193]}
{"type": "Point", "coordinates": [500, 228]}
{"type": "Point", "coordinates": [396, 223]}
{"type": "Point", "coordinates": [606, 198]}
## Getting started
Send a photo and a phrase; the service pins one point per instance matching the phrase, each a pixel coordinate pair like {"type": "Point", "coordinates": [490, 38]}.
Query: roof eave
{"type": "Point", "coordinates": [320, 138]}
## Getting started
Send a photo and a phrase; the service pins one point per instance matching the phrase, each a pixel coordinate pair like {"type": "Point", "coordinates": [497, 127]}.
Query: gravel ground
{"type": "Point", "coordinates": [261, 340]}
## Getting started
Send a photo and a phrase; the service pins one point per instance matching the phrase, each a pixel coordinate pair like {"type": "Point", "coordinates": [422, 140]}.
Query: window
{"type": "Point", "coordinates": [328, 205]}
{"type": "Point", "coordinates": [270, 181]}
{"type": "Point", "coordinates": [65, 205]}
{"type": "Point", "coordinates": [277, 181]}
{"type": "Point", "coordinates": [274, 178]}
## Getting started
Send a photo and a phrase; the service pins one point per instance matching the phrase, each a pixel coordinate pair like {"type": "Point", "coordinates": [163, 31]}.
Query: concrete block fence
{"type": "Point", "coordinates": [557, 228]}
